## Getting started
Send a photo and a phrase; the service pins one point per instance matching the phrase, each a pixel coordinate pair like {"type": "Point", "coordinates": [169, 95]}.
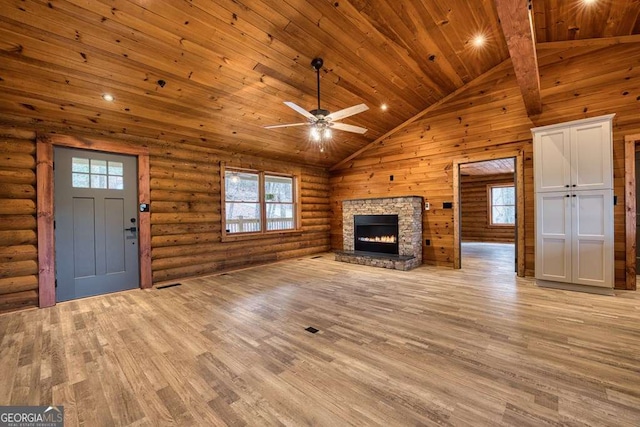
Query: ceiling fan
{"type": "Point", "coordinates": [322, 121]}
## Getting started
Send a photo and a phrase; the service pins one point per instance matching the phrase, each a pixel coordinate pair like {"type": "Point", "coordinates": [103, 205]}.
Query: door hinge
{"type": "Point", "coordinates": [56, 283]}
{"type": "Point", "coordinates": [53, 164]}
{"type": "Point", "coordinates": [54, 224]}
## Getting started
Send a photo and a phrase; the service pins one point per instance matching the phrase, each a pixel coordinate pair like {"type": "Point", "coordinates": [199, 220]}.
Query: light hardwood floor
{"type": "Point", "coordinates": [495, 257]}
{"type": "Point", "coordinates": [431, 346]}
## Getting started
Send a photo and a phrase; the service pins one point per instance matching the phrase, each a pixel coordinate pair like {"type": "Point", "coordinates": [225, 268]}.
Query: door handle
{"type": "Point", "coordinates": [132, 229]}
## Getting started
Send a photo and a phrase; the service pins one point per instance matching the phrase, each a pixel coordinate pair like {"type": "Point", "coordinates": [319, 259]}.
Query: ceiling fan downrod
{"type": "Point", "coordinates": [316, 63]}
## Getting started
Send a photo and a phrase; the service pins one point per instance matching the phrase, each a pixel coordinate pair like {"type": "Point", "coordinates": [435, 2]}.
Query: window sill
{"type": "Point", "coordinates": [500, 225]}
{"type": "Point", "coordinates": [265, 235]}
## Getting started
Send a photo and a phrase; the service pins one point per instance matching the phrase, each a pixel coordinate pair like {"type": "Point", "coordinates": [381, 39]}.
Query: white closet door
{"type": "Point", "coordinates": [591, 162]}
{"type": "Point", "coordinates": [553, 236]}
{"type": "Point", "coordinates": [552, 157]}
{"type": "Point", "coordinates": [592, 246]}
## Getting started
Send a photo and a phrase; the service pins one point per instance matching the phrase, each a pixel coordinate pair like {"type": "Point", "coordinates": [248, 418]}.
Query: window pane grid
{"type": "Point", "coordinates": [248, 203]}
{"type": "Point", "coordinates": [503, 210]}
{"type": "Point", "coordinates": [97, 174]}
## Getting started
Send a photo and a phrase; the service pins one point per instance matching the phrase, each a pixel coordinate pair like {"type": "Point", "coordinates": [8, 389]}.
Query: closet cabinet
{"type": "Point", "coordinates": [577, 155]}
{"type": "Point", "coordinates": [574, 202]}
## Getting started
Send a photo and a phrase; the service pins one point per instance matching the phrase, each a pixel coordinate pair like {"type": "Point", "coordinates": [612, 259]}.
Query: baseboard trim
{"type": "Point", "coordinates": [574, 287]}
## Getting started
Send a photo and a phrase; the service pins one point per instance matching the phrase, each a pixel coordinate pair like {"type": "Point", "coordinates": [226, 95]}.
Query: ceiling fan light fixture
{"type": "Point", "coordinates": [321, 120]}
{"type": "Point", "coordinates": [315, 133]}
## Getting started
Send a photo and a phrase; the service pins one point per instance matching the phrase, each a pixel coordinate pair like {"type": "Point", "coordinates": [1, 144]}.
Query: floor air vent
{"type": "Point", "coordinates": [316, 257]}
{"type": "Point", "coordinates": [169, 286]}
{"type": "Point", "coordinates": [311, 329]}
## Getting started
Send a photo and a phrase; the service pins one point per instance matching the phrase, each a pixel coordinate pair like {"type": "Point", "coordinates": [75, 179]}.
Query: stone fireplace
{"type": "Point", "coordinates": [385, 232]}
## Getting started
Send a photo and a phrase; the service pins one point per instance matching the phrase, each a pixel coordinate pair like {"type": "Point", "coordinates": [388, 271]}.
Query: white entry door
{"type": "Point", "coordinates": [96, 223]}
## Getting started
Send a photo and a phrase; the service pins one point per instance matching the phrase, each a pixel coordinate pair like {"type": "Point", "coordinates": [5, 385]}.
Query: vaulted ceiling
{"type": "Point", "coordinates": [215, 72]}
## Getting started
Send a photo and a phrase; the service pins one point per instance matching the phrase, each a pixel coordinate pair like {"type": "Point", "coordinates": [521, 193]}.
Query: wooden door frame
{"type": "Point", "coordinates": [518, 154]}
{"type": "Point", "coordinates": [630, 143]}
{"type": "Point", "coordinates": [45, 207]}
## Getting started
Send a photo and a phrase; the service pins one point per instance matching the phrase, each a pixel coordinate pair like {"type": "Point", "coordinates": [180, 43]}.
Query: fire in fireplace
{"type": "Point", "coordinates": [380, 239]}
{"type": "Point", "coordinates": [376, 233]}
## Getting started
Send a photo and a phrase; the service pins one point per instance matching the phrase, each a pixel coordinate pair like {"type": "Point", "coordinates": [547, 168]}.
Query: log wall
{"type": "Point", "coordinates": [474, 198]}
{"type": "Point", "coordinates": [487, 117]}
{"type": "Point", "coordinates": [18, 240]}
{"type": "Point", "coordinates": [185, 216]}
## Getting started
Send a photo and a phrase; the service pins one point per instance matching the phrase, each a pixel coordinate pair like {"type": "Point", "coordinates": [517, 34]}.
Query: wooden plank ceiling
{"type": "Point", "coordinates": [227, 66]}
{"type": "Point", "coordinates": [489, 167]}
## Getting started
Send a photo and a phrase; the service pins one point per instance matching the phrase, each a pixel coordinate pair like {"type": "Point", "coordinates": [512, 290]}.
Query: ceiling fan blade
{"type": "Point", "coordinates": [348, 128]}
{"type": "Point", "coordinates": [287, 125]}
{"type": "Point", "coordinates": [341, 114]}
{"type": "Point", "coordinates": [301, 110]}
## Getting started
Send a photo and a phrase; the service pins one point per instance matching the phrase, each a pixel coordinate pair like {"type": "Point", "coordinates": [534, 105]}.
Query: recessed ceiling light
{"type": "Point", "coordinates": [479, 40]}
{"type": "Point", "coordinates": [384, 107]}
{"type": "Point", "coordinates": [108, 97]}
{"type": "Point", "coordinates": [589, 2]}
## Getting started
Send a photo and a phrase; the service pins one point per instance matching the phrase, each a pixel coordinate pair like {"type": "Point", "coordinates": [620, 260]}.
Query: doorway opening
{"type": "Point", "coordinates": [488, 212]}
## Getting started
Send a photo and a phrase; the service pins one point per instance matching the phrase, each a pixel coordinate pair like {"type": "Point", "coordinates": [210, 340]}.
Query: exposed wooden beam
{"type": "Point", "coordinates": [422, 113]}
{"type": "Point", "coordinates": [517, 26]}
{"type": "Point", "coordinates": [598, 42]}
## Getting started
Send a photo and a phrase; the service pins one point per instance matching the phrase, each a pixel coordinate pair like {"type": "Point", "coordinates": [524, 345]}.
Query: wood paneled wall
{"type": "Point", "coordinates": [474, 214]}
{"type": "Point", "coordinates": [185, 216]}
{"type": "Point", "coordinates": [488, 117]}
{"type": "Point", "coordinates": [186, 222]}
{"type": "Point", "coordinates": [18, 240]}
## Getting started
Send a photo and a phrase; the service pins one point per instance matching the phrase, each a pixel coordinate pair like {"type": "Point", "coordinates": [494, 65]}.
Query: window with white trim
{"type": "Point", "coordinates": [502, 204]}
{"type": "Point", "coordinates": [257, 202]}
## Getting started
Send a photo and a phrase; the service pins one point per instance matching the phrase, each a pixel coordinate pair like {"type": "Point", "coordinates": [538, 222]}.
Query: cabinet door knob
{"type": "Point", "coordinates": [567, 185]}
{"type": "Point", "coordinates": [566, 195]}
{"type": "Point", "coordinates": [574, 185]}
{"type": "Point", "coordinates": [574, 195]}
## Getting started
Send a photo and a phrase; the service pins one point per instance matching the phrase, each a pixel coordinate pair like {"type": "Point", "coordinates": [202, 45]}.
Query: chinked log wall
{"type": "Point", "coordinates": [18, 240]}
{"type": "Point", "coordinates": [185, 216]}
{"type": "Point", "coordinates": [474, 198]}
{"type": "Point", "coordinates": [490, 117]}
